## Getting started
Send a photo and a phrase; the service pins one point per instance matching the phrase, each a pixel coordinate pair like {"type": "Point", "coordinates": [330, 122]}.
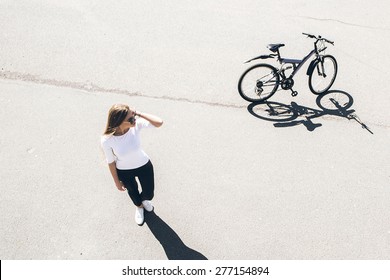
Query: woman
{"type": "Point", "coordinates": [125, 157]}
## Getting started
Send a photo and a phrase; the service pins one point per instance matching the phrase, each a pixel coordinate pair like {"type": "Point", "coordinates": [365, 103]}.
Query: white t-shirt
{"type": "Point", "coordinates": [126, 149]}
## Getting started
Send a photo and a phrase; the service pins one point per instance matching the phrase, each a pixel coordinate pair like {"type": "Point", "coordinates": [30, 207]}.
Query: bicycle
{"type": "Point", "coordinates": [260, 82]}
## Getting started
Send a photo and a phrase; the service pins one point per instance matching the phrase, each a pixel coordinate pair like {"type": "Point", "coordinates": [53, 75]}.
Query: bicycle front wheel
{"type": "Point", "coordinates": [323, 75]}
{"type": "Point", "coordinates": [258, 83]}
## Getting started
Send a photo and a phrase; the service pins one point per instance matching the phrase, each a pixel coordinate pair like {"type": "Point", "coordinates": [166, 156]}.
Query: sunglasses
{"type": "Point", "coordinates": [131, 120]}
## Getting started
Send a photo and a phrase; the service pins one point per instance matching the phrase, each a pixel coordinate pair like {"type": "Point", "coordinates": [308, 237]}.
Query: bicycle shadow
{"type": "Point", "coordinates": [332, 103]}
{"type": "Point", "coordinates": [174, 247]}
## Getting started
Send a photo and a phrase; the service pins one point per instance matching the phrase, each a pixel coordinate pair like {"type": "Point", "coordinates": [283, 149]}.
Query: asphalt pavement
{"type": "Point", "coordinates": [231, 182]}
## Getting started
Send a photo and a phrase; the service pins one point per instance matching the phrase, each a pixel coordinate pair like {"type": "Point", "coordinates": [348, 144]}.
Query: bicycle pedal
{"type": "Point", "coordinates": [294, 93]}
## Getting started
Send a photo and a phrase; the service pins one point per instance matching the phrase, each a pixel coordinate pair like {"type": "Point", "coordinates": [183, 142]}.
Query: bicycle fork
{"type": "Point", "coordinates": [320, 68]}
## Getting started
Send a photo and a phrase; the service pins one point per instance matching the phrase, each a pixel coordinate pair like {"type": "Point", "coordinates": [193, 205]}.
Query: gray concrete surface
{"type": "Point", "coordinates": [229, 185]}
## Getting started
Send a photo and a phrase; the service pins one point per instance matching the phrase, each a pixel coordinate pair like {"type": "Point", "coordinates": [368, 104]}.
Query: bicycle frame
{"type": "Point", "coordinates": [297, 64]}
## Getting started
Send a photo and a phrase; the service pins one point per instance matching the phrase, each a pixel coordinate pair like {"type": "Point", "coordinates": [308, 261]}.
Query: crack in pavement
{"type": "Point", "coordinates": [346, 23]}
{"type": "Point", "coordinates": [92, 88]}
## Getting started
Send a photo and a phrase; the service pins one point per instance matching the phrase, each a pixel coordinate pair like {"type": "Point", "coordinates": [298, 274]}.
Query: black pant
{"type": "Point", "coordinates": [145, 176]}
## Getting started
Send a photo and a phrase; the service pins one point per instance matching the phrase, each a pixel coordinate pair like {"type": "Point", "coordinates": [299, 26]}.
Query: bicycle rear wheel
{"type": "Point", "coordinates": [323, 75]}
{"type": "Point", "coordinates": [258, 83]}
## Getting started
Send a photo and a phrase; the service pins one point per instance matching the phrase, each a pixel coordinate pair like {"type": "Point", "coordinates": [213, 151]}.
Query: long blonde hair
{"type": "Point", "coordinates": [116, 116]}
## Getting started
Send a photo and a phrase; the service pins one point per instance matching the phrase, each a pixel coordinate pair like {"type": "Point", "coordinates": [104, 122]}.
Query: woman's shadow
{"type": "Point", "coordinates": [173, 246]}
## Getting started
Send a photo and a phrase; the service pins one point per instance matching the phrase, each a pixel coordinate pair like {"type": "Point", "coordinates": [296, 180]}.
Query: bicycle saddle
{"type": "Point", "coordinates": [274, 47]}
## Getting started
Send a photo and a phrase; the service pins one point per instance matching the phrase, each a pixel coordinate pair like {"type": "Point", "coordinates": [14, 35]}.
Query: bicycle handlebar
{"type": "Point", "coordinates": [318, 38]}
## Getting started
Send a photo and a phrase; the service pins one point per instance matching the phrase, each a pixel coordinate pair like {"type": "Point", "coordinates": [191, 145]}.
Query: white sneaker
{"type": "Point", "coordinates": [147, 205]}
{"type": "Point", "coordinates": [139, 216]}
